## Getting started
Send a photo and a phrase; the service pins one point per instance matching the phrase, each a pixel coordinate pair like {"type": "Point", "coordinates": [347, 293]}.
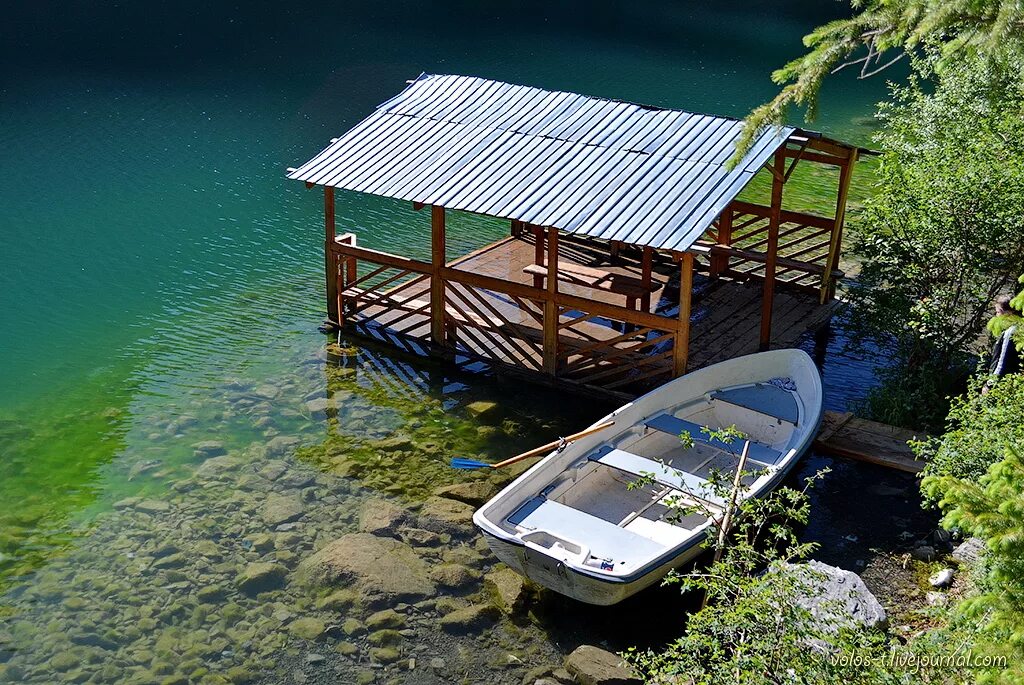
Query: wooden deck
{"type": "Point", "coordinates": [491, 299]}
{"type": "Point", "coordinates": [845, 435]}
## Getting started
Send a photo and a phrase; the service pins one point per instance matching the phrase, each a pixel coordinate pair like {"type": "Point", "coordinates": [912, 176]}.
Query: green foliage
{"type": "Point", "coordinates": [752, 629]}
{"type": "Point", "coordinates": [979, 429]}
{"type": "Point", "coordinates": [879, 33]}
{"type": "Point", "coordinates": [998, 325]}
{"type": "Point", "coordinates": [993, 510]}
{"type": "Point", "coordinates": [944, 234]}
{"type": "Point", "coordinates": [914, 395]}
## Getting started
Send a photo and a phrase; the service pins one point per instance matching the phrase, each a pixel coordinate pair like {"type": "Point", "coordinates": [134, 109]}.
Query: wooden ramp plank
{"type": "Point", "coordinates": [844, 435]}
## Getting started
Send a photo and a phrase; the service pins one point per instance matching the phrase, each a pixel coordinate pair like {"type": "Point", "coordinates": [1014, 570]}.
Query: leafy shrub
{"type": "Point", "coordinates": [993, 510]}
{"type": "Point", "coordinates": [979, 428]}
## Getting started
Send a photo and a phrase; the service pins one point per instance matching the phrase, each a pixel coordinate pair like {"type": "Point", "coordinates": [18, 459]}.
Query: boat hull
{"type": "Point", "coordinates": [553, 557]}
{"type": "Point", "coordinates": [565, 580]}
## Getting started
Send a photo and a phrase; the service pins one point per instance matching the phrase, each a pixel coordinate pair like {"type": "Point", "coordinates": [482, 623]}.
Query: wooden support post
{"type": "Point", "coordinates": [517, 228]}
{"type": "Point", "coordinates": [681, 344]}
{"type": "Point", "coordinates": [538, 254]}
{"type": "Point", "coordinates": [771, 256]}
{"type": "Point", "coordinates": [616, 247]}
{"type": "Point", "coordinates": [346, 273]}
{"type": "Point", "coordinates": [720, 262]}
{"type": "Point", "coordinates": [645, 277]}
{"type": "Point", "coordinates": [437, 262]}
{"type": "Point", "coordinates": [330, 261]}
{"type": "Point", "coordinates": [551, 307]}
{"type": "Point", "coordinates": [828, 281]}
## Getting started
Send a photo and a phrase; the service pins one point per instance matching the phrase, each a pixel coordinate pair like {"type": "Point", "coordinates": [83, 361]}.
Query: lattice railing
{"type": "Point", "coordinates": [804, 244]}
{"type": "Point", "coordinates": [498, 321]}
{"type": "Point", "coordinates": [494, 326]}
{"type": "Point", "coordinates": [631, 355]}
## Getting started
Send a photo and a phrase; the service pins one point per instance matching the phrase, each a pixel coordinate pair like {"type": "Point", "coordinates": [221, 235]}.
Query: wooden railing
{"type": "Point", "coordinates": [738, 241]}
{"type": "Point", "coordinates": [504, 322]}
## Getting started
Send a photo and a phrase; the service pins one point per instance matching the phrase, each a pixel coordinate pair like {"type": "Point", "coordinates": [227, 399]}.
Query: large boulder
{"type": "Point", "coordinates": [591, 665]}
{"type": "Point", "coordinates": [385, 571]}
{"type": "Point", "coordinates": [835, 597]}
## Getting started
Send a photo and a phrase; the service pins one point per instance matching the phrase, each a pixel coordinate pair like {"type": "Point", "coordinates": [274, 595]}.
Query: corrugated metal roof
{"type": "Point", "coordinates": [603, 168]}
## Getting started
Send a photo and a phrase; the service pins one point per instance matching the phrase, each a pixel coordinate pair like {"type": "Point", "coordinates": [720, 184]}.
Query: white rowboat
{"type": "Point", "coordinates": [571, 523]}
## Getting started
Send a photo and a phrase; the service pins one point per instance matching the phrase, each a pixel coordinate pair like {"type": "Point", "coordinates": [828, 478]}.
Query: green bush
{"type": "Point", "coordinates": [979, 428]}
{"type": "Point", "coordinates": [992, 510]}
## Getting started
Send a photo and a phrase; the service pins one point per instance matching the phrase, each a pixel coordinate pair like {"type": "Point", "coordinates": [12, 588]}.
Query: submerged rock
{"type": "Point", "coordinates": [339, 600]}
{"type": "Point", "coordinates": [443, 515]}
{"type": "Point", "coordinates": [509, 589]}
{"type": "Point", "coordinates": [473, 618]}
{"type": "Point", "coordinates": [260, 577]}
{"type": "Point", "coordinates": [152, 506]}
{"type": "Point", "coordinates": [385, 655]}
{"type": "Point", "coordinates": [280, 509]}
{"type": "Point", "coordinates": [475, 493]}
{"type": "Point", "coordinates": [381, 517]}
{"type": "Point", "coordinates": [591, 665]}
{"type": "Point", "coordinates": [384, 570]}
{"type": "Point", "coordinates": [453, 575]}
{"type": "Point", "coordinates": [484, 411]}
{"type": "Point", "coordinates": [209, 448]}
{"type": "Point", "coordinates": [218, 466]}
{"type": "Point", "coordinates": [386, 618]}
{"type": "Point", "coordinates": [836, 597]}
{"type": "Point", "coordinates": [308, 628]}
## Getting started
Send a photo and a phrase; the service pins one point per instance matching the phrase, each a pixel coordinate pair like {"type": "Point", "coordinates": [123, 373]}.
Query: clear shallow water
{"type": "Point", "coordinates": [159, 270]}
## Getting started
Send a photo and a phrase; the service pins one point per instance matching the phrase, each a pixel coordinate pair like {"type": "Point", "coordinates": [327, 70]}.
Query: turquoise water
{"type": "Point", "coordinates": [158, 266]}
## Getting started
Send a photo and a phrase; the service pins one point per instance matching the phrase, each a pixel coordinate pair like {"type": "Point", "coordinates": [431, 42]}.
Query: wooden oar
{"type": "Point", "coordinates": [473, 464]}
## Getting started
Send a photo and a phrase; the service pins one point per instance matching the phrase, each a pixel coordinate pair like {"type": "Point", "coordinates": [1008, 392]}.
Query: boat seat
{"type": "Point", "coordinates": [666, 475]}
{"type": "Point", "coordinates": [673, 425]}
{"type": "Point", "coordinates": [606, 540]}
{"type": "Point", "coordinates": [763, 398]}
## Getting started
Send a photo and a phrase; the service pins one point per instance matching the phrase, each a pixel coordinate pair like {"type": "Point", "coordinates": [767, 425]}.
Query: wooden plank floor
{"type": "Point", "coordinates": [844, 435]}
{"type": "Point", "coordinates": [726, 312]}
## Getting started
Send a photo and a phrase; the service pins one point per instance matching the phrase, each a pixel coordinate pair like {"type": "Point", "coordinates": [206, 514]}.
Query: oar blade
{"type": "Point", "coordinates": [458, 463]}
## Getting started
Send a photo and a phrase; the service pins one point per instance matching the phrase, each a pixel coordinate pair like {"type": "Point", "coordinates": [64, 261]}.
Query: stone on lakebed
{"type": "Point", "coordinates": [473, 618]}
{"type": "Point", "coordinates": [474, 492]}
{"type": "Point", "coordinates": [509, 588]}
{"type": "Point", "coordinates": [307, 628]}
{"type": "Point", "coordinates": [260, 577]}
{"type": "Point", "coordinates": [484, 411]}
{"type": "Point", "coordinates": [384, 570]}
{"type": "Point", "coordinates": [381, 517]}
{"type": "Point", "coordinates": [280, 509]}
{"type": "Point", "coordinates": [591, 665]}
{"type": "Point", "coordinates": [443, 515]}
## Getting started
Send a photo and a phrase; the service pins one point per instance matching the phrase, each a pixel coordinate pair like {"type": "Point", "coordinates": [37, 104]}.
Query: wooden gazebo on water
{"type": "Point", "coordinates": [629, 257]}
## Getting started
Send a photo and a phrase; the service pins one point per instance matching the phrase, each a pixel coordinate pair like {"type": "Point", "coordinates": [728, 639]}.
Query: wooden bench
{"type": "Point", "coordinates": [631, 287]}
{"type": "Point", "coordinates": [673, 425]}
{"type": "Point", "coordinates": [687, 483]}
